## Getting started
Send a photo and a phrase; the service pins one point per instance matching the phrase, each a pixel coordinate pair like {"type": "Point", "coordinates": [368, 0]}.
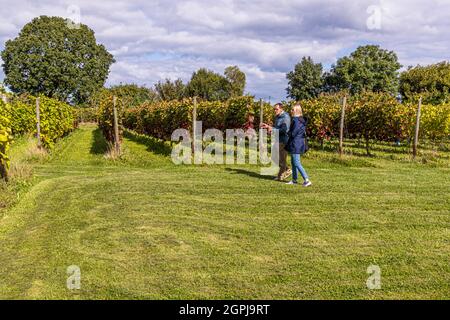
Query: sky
{"type": "Point", "coordinates": [153, 40]}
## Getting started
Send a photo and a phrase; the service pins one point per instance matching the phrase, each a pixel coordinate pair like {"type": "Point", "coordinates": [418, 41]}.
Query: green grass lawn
{"type": "Point", "coordinates": [143, 228]}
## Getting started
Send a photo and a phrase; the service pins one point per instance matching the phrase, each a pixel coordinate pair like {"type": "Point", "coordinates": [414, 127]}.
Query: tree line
{"type": "Point", "coordinates": [371, 69]}
{"type": "Point", "coordinates": [205, 84]}
{"type": "Point", "coordinates": [48, 57]}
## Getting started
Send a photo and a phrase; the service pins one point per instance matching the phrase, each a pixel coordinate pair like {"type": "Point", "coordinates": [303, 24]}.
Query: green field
{"type": "Point", "coordinates": [143, 228]}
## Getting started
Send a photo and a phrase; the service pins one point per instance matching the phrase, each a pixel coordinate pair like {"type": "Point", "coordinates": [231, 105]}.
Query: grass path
{"type": "Point", "coordinates": [143, 228]}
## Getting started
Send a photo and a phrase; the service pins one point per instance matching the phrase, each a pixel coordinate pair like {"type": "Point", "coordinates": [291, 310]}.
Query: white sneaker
{"type": "Point", "coordinates": [286, 174]}
{"type": "Point", "coordinates": [307, 184]}
{"type": "Point", "coordinates": [292, 183]}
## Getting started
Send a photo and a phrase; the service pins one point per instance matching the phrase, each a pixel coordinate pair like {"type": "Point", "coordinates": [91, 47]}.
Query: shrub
{"type": "Point", "coordinates": [105, 115]}
{"type": "Point", "coordinates": [85, 114]}
{"type": "Point", "coordinates": [435, 122]}
{"type": "Point", "coordinates": [323, 115]}
{"type": "Point", "coordinates": [57, 118]}
{"type": "Point", "coordinates": [5, 141]}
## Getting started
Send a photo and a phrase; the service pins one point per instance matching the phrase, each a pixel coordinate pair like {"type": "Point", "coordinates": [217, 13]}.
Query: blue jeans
{"type": "Point", "coordinates": [297, 167]}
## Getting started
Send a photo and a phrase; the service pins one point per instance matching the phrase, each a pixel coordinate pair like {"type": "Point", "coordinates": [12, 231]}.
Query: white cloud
{"type": "Point", "coordinates": [152, 40]}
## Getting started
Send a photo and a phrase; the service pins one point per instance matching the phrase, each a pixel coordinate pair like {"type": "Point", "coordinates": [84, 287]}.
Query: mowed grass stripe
{"type": "Point", "coordinates": [143, 228]}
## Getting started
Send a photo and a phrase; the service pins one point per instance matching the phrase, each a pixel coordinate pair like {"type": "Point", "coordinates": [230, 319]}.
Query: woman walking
{"type": "Point", "coordinates": [297, 146]}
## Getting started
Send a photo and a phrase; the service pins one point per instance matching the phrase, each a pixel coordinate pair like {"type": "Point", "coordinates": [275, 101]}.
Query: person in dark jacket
{"type": "Point", "coordinates": [282, 123]}
{"type": "Point", "coordinates": [297, 145]}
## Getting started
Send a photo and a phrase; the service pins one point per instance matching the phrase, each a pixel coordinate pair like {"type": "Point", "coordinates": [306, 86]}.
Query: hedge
{"type": "Point", "coordinates": [85, 114]}
{"type": "Point", "coordinates": [57, 118]}
{"type": "Point", "coordinates": [162, 118]}
{"type": "Point", "coordinates": [105, 115]}
{"type": "Point", "coordinates": [374, 116]}
{"type": "Point", "coordinates": [369, 116]}
{"type": "Point", "coordinates": [5, 140]}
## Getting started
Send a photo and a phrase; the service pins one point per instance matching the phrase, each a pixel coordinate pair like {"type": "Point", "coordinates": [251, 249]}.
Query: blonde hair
{"type": "Point", "coordinates": [297, 109]}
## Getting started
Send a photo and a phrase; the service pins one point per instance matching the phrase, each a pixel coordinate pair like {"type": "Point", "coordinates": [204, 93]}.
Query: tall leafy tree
{"type": "Point", "coordinates": [133, 95]}
{"type": "Point", "coordinates": [305, 81]}
{"type": "Point", "coordinates": [208, 85]}
{"type": "Point", "coordinates": [431, 82]}
{"type": "Point", "coordinates": [237, 80]}
{"type": "Point", "coordinates": [170, 90]}
{"type": "Point", "coordinates": [369, 68]}
{"type": "Point", "coordinates": [51, 58]}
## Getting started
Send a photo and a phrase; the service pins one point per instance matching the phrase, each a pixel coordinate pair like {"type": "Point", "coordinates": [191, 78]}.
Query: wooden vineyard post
{"type": "Point", "coordinates": [3, 173]}
{"type": "Point", "coordinates": [4, 98]}
{"type": "Point", "coordinates": [38, 122]}
{"type": "Point", "coordinates": [261, 111]}
{"type": "Point", "coordinates": [116, 127]}
{"type": "Point", "coordinates": [263, 157]}
{"type": "Point", "coordinates": [416, 135]}
{"type": "Point", "coordinates": [194, 127]}
{"type": "Point", "coordinates": [341, 127]}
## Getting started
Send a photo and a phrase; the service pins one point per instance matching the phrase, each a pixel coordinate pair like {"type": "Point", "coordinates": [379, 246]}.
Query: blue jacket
{"type": "Point", "coordinates": [297, 136]}
{"type": "Point", "coordinates": [282, 123]}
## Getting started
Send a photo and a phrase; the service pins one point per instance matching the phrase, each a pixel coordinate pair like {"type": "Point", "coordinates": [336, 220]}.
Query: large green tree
{"type": "Point", "coordinates": [431, 82]}
{"type": "Point", "coordinates": [133, 95]}
{"type": "Point", "coordinates": [170, 90]}
{"type": "Point", "coordinates": [237, 80]}
{"type": "Point", "coordinates": [369, 68]}
{"type": "Point", "coordinates": [208, 85]}
{"type": "Point", "coordinates": [52, 57]}
{"type": "Point", "coordinates": [305, 81]}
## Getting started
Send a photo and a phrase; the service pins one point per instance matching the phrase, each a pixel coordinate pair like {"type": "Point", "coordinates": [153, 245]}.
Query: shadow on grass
{"type": "Point", "coordinates": [251, 174]}
{"type": "Point", "coordinates": [99, 143]}
{"type": "Point", "coordinates": [359, 149]}
{"type": "Point", "coordinates": [153, 145]}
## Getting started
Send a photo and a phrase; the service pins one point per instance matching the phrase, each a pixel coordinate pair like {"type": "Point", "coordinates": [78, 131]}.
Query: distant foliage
{"type": "Point", "coordinates": [368, 68]}
{"type": "Point", "coordinates": [431, 82]}
{"type": "Point", "coordinates": [168, 90]}
{"type": "Point", "coordinates": [85, 114]}
{"type": "Point", "coordinates": [211, 86]}
{"type": "Point", "coordinates": [305, 81]}
{"type": "Point", "coordinates": [208, 85]}
{"type": "Point", "coordinates": [133, 95]}
{"type": "Point", "coordinates": [237, 80]}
